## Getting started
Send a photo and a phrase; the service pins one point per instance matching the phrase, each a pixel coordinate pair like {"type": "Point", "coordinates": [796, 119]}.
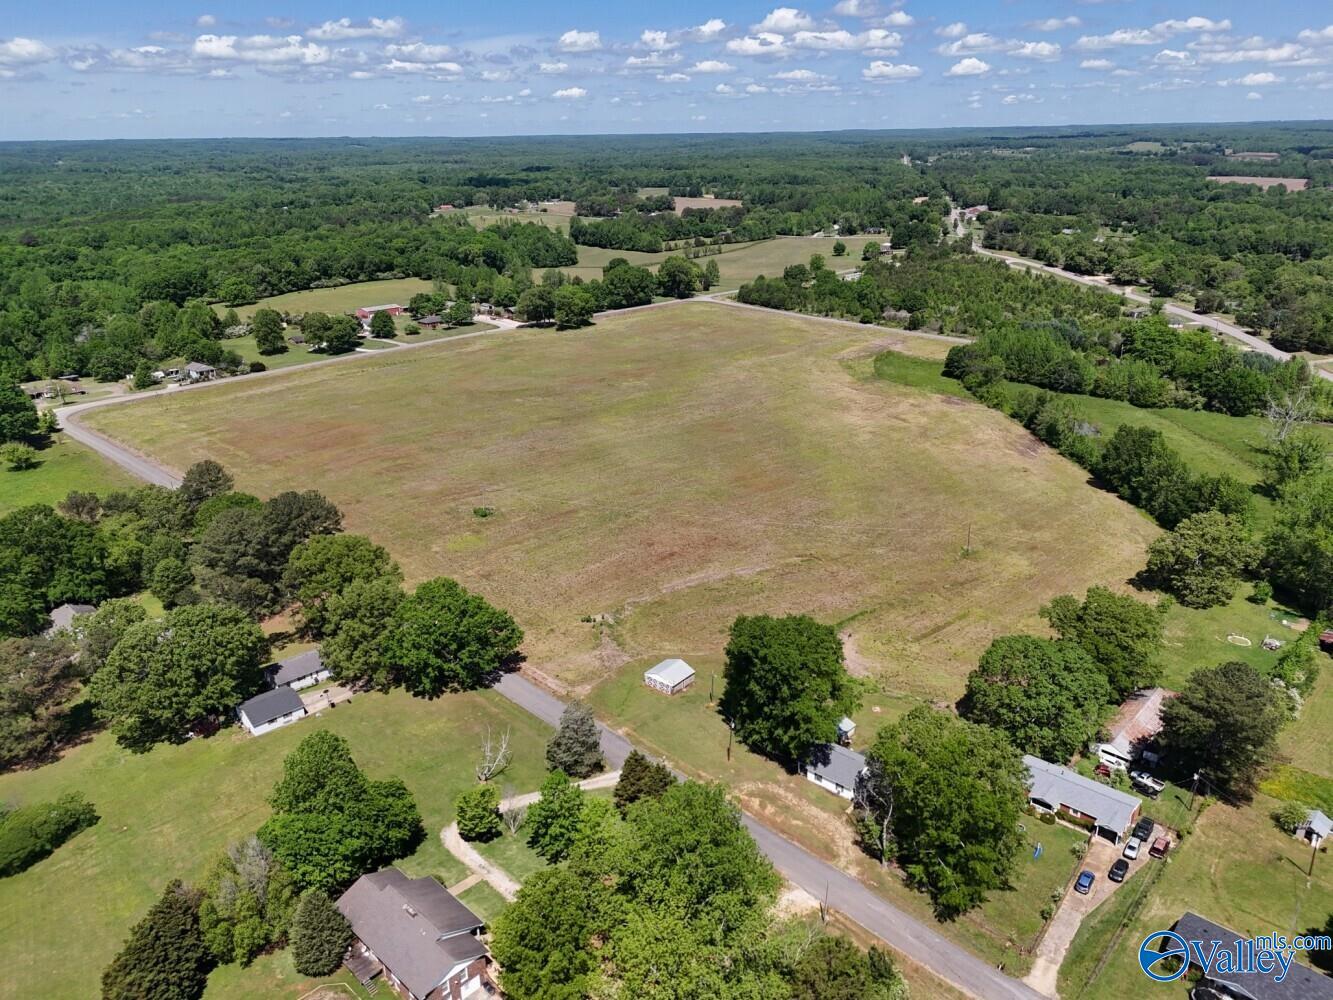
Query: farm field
{"type": "Point", "coordinates": [66, 465]}
{"type": "Point", "coordinates": [556, 216]}
{"type": "Point", "coordinates": [343, 298]}
{"type": "Point", "coordinates": [165, 814]}
{"type": "Point", "coordinates": [739, 262]}
{"type": "Point", "coordinates": [669, 469]}
{"type": "Point", "coordinates": [1236, 869]}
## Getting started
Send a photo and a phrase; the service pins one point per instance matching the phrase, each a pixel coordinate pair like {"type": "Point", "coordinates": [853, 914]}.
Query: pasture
{"type": "Point", "coordinates": [65, 465]}
{"type": "Point", "coordinates": [669, 469]}
{"type": "Point", "coordinates": [342, 299]}
{"type": "Point", "coordinates": [167, 813]}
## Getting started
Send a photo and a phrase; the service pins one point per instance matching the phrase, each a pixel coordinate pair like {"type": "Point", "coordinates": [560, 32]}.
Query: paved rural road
{"type": "Point", "coordinates": [1171, 309]}
{"type": "Point", "coordinates": [918, 941]}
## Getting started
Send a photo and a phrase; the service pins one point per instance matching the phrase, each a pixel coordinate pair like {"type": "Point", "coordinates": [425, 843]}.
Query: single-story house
{"type": "Point", "coordinates": [1300, 983]}
{"type": "Point", "coordinates": [271, 710]}
{"type": "Point", "coordinates": [846, 730]}
{"type": "Point", "coordinates": [669, 676]}
{"type": "Point", "coordinates": [414, 934]}
{"type": "Point", "coordinates": [1135, 726]}
{"type": "Point", "coordinates": [835, 768]}
{"type": "Point", "coordinates": [365, 312]}
{"type": "Point", "coordinates": [296, 672]}
{"type": "Point", "coordinates": [1057, 789]}
{"type": "Point", "coordinates": [886, 246]}
{"type": "Point", "coordinates": [973, 211]}
{"type": "Point", "coordinates": [63, 616]}
{"type": "Point", "coordinates": [196, 371]}
{"type": "Point", "coordinates": [1316, 829]}
{"type": "Point", "coordinates": [429, 322]}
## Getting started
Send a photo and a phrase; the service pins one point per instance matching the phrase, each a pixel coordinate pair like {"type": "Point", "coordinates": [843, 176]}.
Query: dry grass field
{"type": "Point", "coordinates": [669, 469]}
{"type": "Point", "coordinates": [1290, 183]}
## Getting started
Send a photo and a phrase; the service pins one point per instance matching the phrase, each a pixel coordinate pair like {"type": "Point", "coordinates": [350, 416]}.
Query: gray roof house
{"type": "Point", "coordinates": [198, 371]}
{"type": "Point", "coordinates": [270, 710]}
{"type": "Point", "coordinates": [835, 768]}
{"type": "Point", "coordinates": [1058, 789]}
{"type": "Point", "coordinates": [416, 934]}
{"type": "Point", "coordinates": [1300, 983]}
{"type": "Point", "coordinates": [63, 616]}
{"type": "Point", "coordinates": [299, 671]}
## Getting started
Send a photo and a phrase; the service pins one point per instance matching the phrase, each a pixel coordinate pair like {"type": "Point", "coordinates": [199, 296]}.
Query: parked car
{"type": "Point", "coordinates": [1084, 883]}
{"type": "Point", "coordinates": [1160, 847]}
{"type": "Point", "coordinates": [1146, 783]}
{"type": "Point", "coordinates": [1118, 870]}
{"type": "Point", "coordinates": [1104, 769]}
{"type": "Point", "coordinates": [1132, 847]}
{"type": "Point", "coordinates": [1143, 828]}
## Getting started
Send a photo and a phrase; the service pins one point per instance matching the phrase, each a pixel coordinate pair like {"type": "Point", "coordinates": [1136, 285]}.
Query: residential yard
{"type": "Point", "coordinates": [1197, 638]}
{"type": "Point", "coordinates": [669, 469]}
{"type": "Point", "coordinates": [1237, 869]}
{"type": "Point", "coordinates": [166, 814]}
{"type": "Point", "coordinates": [341, 299]}
{"type": "Point", "coordinates": [66, 465]}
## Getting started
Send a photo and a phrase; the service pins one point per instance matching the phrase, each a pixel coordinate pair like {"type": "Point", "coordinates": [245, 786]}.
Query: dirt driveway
{"type": "Point", "coordinates": [1073, 908]}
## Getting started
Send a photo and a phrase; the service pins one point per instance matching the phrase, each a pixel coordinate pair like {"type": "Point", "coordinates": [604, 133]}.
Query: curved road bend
{"type": "Point", "coordinates": [920, 942]}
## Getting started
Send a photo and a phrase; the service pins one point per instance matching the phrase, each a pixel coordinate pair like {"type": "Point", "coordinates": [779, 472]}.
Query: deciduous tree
{"type": "Point", "coordinates": [1202, 560]}
{"type": "Point", "coordinates": [1122, 634]}
{"type": "Point", "coordinates": [479, 813]}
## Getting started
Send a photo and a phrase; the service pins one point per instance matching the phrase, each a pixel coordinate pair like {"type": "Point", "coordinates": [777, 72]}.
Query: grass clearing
{"type": "Point", "coordinates": [671, 468]}
{"type": "Point", "coordinates": [1236, 869]}
{"type": "Point", "coordinates": [340, 299]}
{"type": "Point", "coordinates": [166, 814]}
{"type": "Point", "coordinates": [1196, 638]}
{"type": "Point", "coordinates": [1304, 742]}
{"type": "Point", "coordinates": [65, 465]}
{"type": "Point", "coordinates": [484, 901]}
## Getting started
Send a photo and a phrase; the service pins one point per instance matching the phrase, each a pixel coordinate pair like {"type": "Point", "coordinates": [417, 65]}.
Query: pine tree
{"type": "Point", "coordinates": [319, 934]}
{"type": "Point", "coordinates": [576, 746]}
{"type": "Point", "coordinates": [165, 957]}
{"type": "Point", "coordinates": [641, 778]}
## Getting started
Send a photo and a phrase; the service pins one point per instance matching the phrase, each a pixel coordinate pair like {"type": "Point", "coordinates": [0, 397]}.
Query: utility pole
{"type": "Point", "coordinates": [1194, 786]}
{"type": "Point", "coordinates": [731, 731]}
{"type": "Point", "coordinates": [711, 678]}
{"type": "Point", "coordinates": [1314, 849]}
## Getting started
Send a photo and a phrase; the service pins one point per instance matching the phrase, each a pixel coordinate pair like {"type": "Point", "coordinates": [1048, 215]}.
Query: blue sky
{"type": "Point", "coordinates": [157, 69]}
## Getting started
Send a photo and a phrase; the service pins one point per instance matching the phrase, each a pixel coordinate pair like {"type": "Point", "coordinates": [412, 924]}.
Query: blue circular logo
{"type": "Point", "coordinates": [1175, 947]}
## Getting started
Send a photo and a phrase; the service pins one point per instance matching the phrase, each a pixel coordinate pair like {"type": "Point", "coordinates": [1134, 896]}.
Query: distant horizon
{"type": "Point", "coordinates": [981, 127]}
{"type": "Point", "coordinates": [159, 69]}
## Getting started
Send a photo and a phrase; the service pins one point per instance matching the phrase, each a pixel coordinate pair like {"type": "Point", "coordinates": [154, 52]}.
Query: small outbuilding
{"type": "Point", "coordinates": [846, 730]}
{"type": "Point", "coordinates": [429, 322]}
{"type": "Point", "coordinates": [835, 768]}
{"type": "Point", "coordinates": [271, 710]}
{"type": "Point", "coordinates": [1316, 828]}
{"type": "Point", "coordinates": [63, 616]}
{"type": "Point", "coordinates": [669, 676]}
{"type": "Point", "coordinates": [299, 671]}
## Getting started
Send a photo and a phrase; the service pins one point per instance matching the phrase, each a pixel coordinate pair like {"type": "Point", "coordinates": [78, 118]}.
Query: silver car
{"type": "Point", "coordinates": [1132, 847]}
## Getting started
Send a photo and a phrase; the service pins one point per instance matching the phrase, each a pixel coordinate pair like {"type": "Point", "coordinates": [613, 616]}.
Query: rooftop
{"type": "Point", "coordinates": [1138, 720]}
{"type": "Point", "coordinates": [64, 615]}
{"type": "Point", "coordinates": [836, 764]}
{"type": "Point", "coordinates": [295, 667]}
{"type": "Point", "coordinates": [1301, 982]}
{"type": "Point", "coordinates": [1317, 822]}
{"type": "Point", "coordinates": [1059, 786]}
{"type": "Point", "coordinates": [413, 925]}
{"type": "Point", "coordinates": [670, 672]}
{"type": "Point", "coordinates": [270, 705]}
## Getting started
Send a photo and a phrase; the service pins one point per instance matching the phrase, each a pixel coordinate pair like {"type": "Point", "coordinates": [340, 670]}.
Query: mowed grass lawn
{"type": "Point", "coordinates": [166, 815]}
{"type": "Point", "coordinates": [669, 469]}
{"type": "Point", "coordinates": [1236, 869]}
{"type": "Point", "coordinates": [738, 262]}
{"type": "Point", "coordinates": [342, 299]}
{"type": "Point", "coordinates": [66, 465]}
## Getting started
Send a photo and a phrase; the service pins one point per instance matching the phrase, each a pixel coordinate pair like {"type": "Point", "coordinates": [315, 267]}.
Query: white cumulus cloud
{"type": "Point", "coordinates": [580, 41]}
{"type": "Point", "coordinates": [376, 27]}
{"type": "Point", "coordinates": [765, 43]}
{"type": "Point", "coordinates": [712, 66]}
{"type": "Point", "coordinates": [570, 94]}
{"type": "Point", "coordinates": [1041, 51]}
{"type": "Point", "coordinates": [261, 49]}
{"type": "Point", "coordinates": [1055, 23]}
{"type": "Point", "coordinates": [887, 72]}
{"type": "Point", "coordinates": [20, 51]}
{"type": "Point", "coordinates": [971, 66]}
{"type": "Point", "coordinates": [785, 20]}
{"type": "Point", "coordinates": [876, 40]}
{"type": "Point", "coordinates": [956, 30]}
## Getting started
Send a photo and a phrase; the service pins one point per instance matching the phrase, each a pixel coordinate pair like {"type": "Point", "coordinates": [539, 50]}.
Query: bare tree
{"type": "Point", "coordinates": [495, 756]}
{"type": "Point", "coordinates": [1287, 409]}
{"type": "Point", "coordinates": [514, 816]}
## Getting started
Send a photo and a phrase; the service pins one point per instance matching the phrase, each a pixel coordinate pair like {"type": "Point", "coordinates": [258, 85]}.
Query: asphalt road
{"type": "Point", "coordinates": [904, 933]}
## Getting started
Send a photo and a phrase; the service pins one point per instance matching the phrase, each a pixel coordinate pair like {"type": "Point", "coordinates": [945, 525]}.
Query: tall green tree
{"type": "Point", "coordinates": [1298, 550]}
{"type": "Point", "coordinates": [953, 792]}
{"type": "Point", "coordinates": [641, 778]}
{"type": "Point", "coordinates": [1201, 561]}
{"type": "Point", "coordinates": [266, 325]}
{"type": "Point", "coordinates": [1122, 634]}
{"type": "Point", "coordinates": [576, 747]}
{"type": "Point", "coordinates": [324, 566]}
{"type": "Point", "coordinates": [541, 940]}
{"type": "Point", "coordinates": [786, 687]}
{"type": "Point", "coordinates": [382, 326]}
{"type": "Point", "coordinates": [18, 414]}
{"type": "Point", "coordinates": [196, 664]}
{"type": "Point", "coordinates": [165, 957]}
{"type": "Point", "coordinates": [247, 903]}
{"type": "Point", "coordinates": [1050, 697]}
{"type": "Point", "coordinates": [553, 820]}
{"type": "Point", "coordinates": [1223, 724]}
{"type": "Point", "coordinates": [479, 813]}
{"type": "Point", "coordinates": [203, 480]}
{"type": "Point", "coordinates": [574, 307]}
{"type": "Point", "coordinates": [443, 638]}
{"type": "Point", "coordinates": [320, 935]}
{"type": "Point", "coordinates": [353, 625]}
{"type": "Point", "coordinates": [678, 278]}
{"type": "Point", "coordinates": [38, 682]}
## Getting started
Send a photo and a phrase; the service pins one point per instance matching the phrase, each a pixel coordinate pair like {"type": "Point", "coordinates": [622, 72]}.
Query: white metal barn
{"type": "Point", "coordinates": [669, 676]}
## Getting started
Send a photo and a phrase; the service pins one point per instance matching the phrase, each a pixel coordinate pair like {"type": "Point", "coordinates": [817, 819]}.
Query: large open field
{"type": "Point", "coordinates": [166, 814]}
{"type": "Point", "coordinates": [344, 298]}
{"type": "Point", "coordinates": [65, 465]}
{"type": "Point", "coordinates": [669, 469]}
